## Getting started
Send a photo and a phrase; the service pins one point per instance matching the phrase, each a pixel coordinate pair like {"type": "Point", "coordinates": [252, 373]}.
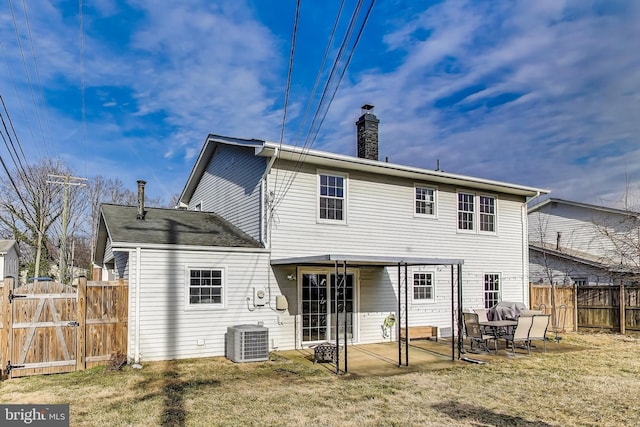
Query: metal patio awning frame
{"type": "Point", "coordinates": [357, 261]}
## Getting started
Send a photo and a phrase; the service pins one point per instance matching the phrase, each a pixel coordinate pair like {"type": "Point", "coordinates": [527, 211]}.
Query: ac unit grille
{"type": "Point", "coordinates": [247, 343]}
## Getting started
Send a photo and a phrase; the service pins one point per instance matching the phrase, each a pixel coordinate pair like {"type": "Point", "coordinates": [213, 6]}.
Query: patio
{"type": "Point", "coordinates": [381, 359]}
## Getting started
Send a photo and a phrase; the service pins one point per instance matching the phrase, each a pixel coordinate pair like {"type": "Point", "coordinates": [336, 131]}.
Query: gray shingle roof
{"type": "Point", "coordinates": [173, 226]}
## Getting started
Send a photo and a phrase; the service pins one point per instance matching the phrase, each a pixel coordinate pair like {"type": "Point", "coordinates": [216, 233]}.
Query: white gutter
{"type": "Point", "coordinates": [136, 350]}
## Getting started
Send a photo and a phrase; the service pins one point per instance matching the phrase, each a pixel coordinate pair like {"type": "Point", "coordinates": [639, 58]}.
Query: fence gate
{"type": "Point", "coordinates": [40, 328]}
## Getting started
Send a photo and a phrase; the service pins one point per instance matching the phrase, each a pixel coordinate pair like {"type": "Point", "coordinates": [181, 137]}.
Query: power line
{"type": "Point", "coordinates": [310, 140]}
{"type": "Point", "coordinates": [288, 88]}
{"type": "Point", "coordinates": [26, 70]}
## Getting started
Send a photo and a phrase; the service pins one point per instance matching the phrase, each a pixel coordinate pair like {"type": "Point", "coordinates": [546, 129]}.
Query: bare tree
{"type": "Point", "coordinates": [29, 210]}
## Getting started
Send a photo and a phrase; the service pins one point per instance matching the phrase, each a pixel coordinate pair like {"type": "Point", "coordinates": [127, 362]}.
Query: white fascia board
{"type": "Point", "coordinates": [327, 159]}
{"type": "Point", "coordinates": [124, 246]}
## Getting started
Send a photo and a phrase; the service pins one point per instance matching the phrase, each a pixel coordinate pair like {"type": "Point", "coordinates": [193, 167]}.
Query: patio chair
{"type": "Point", "coordinates": [482, 314]}
{"type": "Point", "coordinates": [520, 334]}
{"type": "Point", "coordinates": [475, 335]}
{"type": "Point", "coordinates": [538, 331]}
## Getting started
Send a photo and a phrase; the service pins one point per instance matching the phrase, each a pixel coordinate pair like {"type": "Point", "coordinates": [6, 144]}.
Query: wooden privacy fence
{"type": "Point", "coordinates": [613, 308]}
{"type": "Point", "coordinates": [565, 304]}
{"type": "Point", "coordinates": [616, 308]}
{"type": "Point", "coordinates": [48, 327]}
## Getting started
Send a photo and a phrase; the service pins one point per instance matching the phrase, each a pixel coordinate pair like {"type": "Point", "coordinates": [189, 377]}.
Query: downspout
{"type": "Point", "coordinates": [525, 251]}
{"type": "Point", "coordinates": [136, 350]}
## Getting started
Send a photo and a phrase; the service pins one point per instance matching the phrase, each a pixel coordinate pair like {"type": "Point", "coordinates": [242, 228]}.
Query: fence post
{"type": "Point", "coordinates": [82, 328]}
{"type": "Point", "coordinates": [622, 310]}
{"type": "Point", "coordinates": [7, 324]}
{"type": "Point", "coordinates": [575, 307]}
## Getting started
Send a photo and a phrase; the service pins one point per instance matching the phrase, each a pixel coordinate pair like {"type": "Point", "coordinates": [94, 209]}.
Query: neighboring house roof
{"type": "Point", "coordinates": [167, 227]}
{"type": "Point", "coordinates": [580, 257]}
{"type": "Point", "coordinates": [325, 159]}
{"type": "Point", "coordinates": [550, 200]}
{"type": "Point", "coordinates": [6, 245]}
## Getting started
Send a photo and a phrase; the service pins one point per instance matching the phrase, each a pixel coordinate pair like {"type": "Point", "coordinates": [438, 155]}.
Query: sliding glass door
{"type": "Point", "coordinates": [319, 306]}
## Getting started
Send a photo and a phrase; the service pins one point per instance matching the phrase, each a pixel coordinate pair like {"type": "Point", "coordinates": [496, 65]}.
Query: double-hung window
{"type": "Point", "coordinates": [491, 289]}
{"type": "Point", "coordinates": [476, 213]}
{"type": "Point", "coordinates": [466, 211]}
{"type": "Point", "coordinates": [205, 287]}
{"type": "Point", "coordinates": [332, 202]}
{"type": "Point", "coordinates": [423, 286]}
{"type": "Point", "coordinates": [487, 214]}
{"type": "Point", "coordinates": [425, 201]}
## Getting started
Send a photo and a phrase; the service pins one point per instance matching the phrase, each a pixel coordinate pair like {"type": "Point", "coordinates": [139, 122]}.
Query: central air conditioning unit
{"type": "Point", "coordinates": [247, 343]}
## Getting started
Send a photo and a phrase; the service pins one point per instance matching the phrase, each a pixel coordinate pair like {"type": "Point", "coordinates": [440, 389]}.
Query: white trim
{"type": "Point", "coordinates": [434, 188]}
{"type": "Point", "coordinates": [423, 301]}
{"type": "Point", "coordinates": [495, 213]}
{"type": "Point", "coordinates": [476, 213]}
{"type": "Point", "coordinates": [199, 207]}
{"type": "Point", "coordinates": [300, 343]}
{"type": "Point", "coordinates": [120, 246]}
{"type": "Point", "coordinates": [136, 354]}
{"type": "Point", "coordinates": [345, 196]}
{"type": "Point", "coordinates": [187, 286]}
{"type": "Point", "coordinates": [500, 285]}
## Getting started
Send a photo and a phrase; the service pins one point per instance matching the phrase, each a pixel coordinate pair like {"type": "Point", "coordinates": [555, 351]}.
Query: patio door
{"type": "Point", "coordinates": [319, 306]}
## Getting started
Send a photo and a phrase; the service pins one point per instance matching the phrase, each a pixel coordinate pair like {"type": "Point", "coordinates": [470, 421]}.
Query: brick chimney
{"type": "Point", "coordinates": [141, 212]}
{"type": "Point", "coordinates": [367, 126]}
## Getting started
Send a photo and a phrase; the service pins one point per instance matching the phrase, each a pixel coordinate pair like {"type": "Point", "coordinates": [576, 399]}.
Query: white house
{"type": "Point", "coordinates": [583, 244]}
{"type": "Point", "coordinates": [312, 217]}
{"type": "Point", "coordinates": [9, 259]}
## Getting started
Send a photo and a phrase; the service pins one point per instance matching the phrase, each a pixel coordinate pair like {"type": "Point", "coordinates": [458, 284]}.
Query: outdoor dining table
{"type": "Point", "coordinates": [499, 328]}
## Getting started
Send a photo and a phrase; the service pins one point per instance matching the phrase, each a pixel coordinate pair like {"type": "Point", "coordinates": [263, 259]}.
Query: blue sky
{"type": "Point", "coordinates": [542, 93]}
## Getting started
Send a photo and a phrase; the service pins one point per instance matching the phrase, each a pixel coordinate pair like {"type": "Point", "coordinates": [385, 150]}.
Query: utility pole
{"type": "Point", "coordinates": [66, 181]}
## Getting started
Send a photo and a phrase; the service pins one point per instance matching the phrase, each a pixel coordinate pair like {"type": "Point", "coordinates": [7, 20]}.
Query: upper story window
{"type": "Point", "coordinates": [476, 212]}
{"type": "Point", "coordinates": [205, 287]}
{"type": "Point", "coordinates": [466, 211]}
{"type": "Point", "coordinates": [423, 286]}
{"type": "Point", "coordinates": [487, 214]}
{"type": "Point", "coordinates": [332, 193]}
{"type": "Point", "coordinates": [425, 201]}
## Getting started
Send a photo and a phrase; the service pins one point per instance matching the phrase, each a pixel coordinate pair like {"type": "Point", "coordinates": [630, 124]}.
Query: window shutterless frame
{"type": "Point", "coordinates": [425, 201]}
{"type": "Point", "coordinates": [332, 189]}
{"type": "Point", "coordinates": [205, 287]}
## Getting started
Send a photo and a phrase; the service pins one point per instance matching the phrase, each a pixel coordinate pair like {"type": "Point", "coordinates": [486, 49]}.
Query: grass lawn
{"type": "Point", "coordinates": [598, 386]}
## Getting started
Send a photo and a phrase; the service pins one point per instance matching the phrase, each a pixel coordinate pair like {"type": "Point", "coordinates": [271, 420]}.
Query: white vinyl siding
{"type": "Point", "coordinates": [381, 223]}
{"type": "Point", "coordinates": [170, 331]}
{"type": "Point", "coordinates": [231, 187]}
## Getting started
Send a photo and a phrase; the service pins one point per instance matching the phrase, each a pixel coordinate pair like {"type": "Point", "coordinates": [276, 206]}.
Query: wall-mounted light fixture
{"type": "Point", "coordinates": [291, 277]}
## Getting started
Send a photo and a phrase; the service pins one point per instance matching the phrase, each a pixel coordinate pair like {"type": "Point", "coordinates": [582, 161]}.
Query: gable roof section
{"type": "Point", "coordinates": [325, 159]}
{"type": "Point", "coordinates": [551, 201]}
{"type": "Point", "coordinates": [580, 257]}
{"type": "Point", "coordinates": [6, 245]}
{"type": "Point", "coordinates": [167, 227]}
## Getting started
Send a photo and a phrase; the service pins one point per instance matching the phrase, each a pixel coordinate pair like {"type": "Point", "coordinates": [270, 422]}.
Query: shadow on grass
{"type": "Point", "coordinates": [482, 416]}
{"type": "Point", "coordinates": [171, 386]}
